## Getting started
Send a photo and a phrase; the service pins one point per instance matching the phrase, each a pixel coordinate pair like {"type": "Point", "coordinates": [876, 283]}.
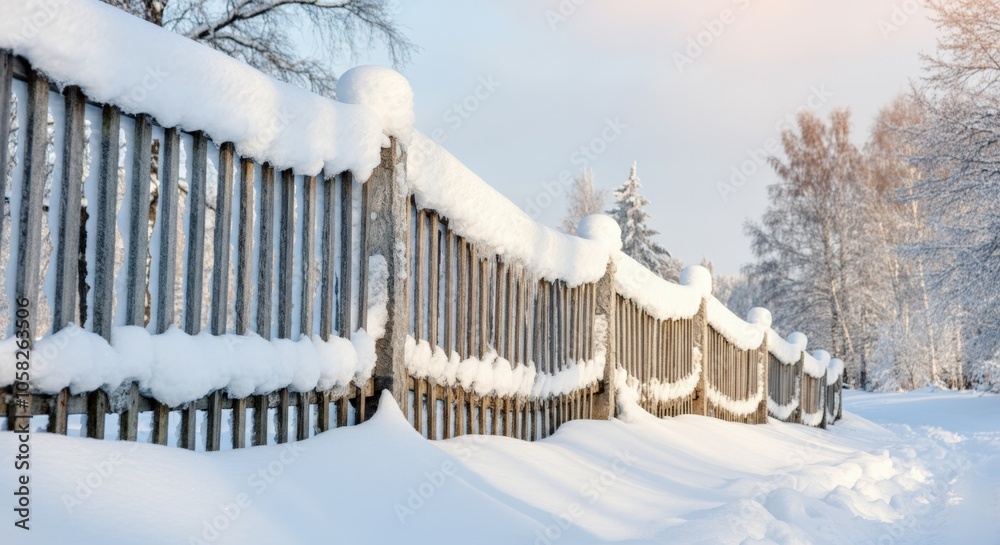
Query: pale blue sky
{"type": "Point", "coordinates": [561, 81]}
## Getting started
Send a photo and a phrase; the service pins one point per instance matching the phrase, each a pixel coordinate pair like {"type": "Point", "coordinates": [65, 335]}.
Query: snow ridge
{"type": "Point", "coordinates": [185, 84]}
{"type": "Point", "coordinates": [175, 368]}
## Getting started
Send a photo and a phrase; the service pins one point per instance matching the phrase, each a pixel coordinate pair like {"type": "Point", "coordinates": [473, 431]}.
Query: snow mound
{"type": "Point", "coordinates": [834, 371]}
{"type": "Point", "coordinates": [385, 91]}
{"type": "Point", "coordinates": [602, 228]}
{"type": "Point", "coordinates": [760, 316]}
{"type": "Point", "coordinates": [697, 277]}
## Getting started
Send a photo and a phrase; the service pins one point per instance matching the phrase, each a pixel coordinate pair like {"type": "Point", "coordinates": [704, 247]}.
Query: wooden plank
{"type": "Point", "coordinates": [473, 302]}
{"type": "Point", "coordinates": [420, 275]}
{"type": "Point", "coordinates": [137, 238]}
{"type": "Point", "coordinates": [449, 293]}
{"type": "Point", "coordinates": [104, 253]}
{"type": "Point", "coordinates": [220, 280]}
{"type": "Point", "coordinates": [346, 253]}
{"type": "Point", "coordinates": [432, 410]}
{"type": "Point", "coordinates": [460, 412]}
{"type": "Point", "coordinates": [484, 306]}
{"type": "Point", "coordinates": [6, 81]}
{"type": "Point", "coordinates": [363, 269]}
{"type": "Point", "coordinates": [434, 274]}
{"type": "Point", "coordinates": [167, 223]}
{"type": "Point", "coordinates": [327, 260]}
{"type": "Point", "coordinates": [244, 284]}
{"type": "Point", "coordinates": [498, 272]}
{"type": "Point", "coordinates": [308, 214]}
{"type": "Point", "coordinates": [104, 237]}
{"type": "Point", "coordinates": [265, 277]}
{"type": "Point", "coordinates": [327, 284]}
{"type": "Point", "coordinates": [462, 300]}
{"type": "Point", "coordinates": [449, 402]}
{"type": "Point", "coordinates": [284, 281]}
{"type": "Point", "coordinates": [244, 249]}
{"type": "Point", "coordinates": [70, 198]}
{"type": "Point", "coordinates": [221, 240]}
{"type": "Point", "coordinates": [196, 207]}
{"type": "Point", "coordinates": [194, 266]}
{"type": "Point", "coordinates": [67, 257]}
{"type": "Point", "coordinates": [418, 404]}
{"type": "Point", "coordinates": [286, 257]}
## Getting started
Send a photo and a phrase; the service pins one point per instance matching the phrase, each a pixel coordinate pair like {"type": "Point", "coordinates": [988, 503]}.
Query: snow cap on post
{"type": "Point", "coordinates": [699, 278]}
{"type": "Point", "coordinates": [822, 356]}
{"type": "Point", "coordinates": [760, 316]}
{"type": "Point", "coordinates": [601, 228]}
{"type": "Point", "coordinates": [799, 339]}
{"type": "Point", "coordinates": [834, 371]}
{"type": "Point", "coordinates": [385, 91]}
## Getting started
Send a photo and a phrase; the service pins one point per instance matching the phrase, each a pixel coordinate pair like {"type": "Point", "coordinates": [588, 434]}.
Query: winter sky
{"type": "Point", "coordinates": [515, 88]}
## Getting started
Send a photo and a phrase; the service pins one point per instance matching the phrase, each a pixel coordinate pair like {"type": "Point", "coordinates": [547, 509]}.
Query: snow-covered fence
{"type": "Point", "coordinates": [121, 225]}
{"type": "Point", "coordinates": [801, 382]}
{"type": "Point", "coordinates": [201, 248]}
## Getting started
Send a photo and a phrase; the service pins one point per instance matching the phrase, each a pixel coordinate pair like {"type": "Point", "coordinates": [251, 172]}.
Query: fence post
{"type": "Point", "coordinates": [764, 369]}
{"type": "Point", "coordinates": [797, 413]}
{"type": "Point", "coordinates": [822, 399]}
{"type": "Point", "coordinates": [604, 401]}
{"type": "Point", "coordinates": [385, 224]}
{"type": "Point", "coordinates": [700, 354]}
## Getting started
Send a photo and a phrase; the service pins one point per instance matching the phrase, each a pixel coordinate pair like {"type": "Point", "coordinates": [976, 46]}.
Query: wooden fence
{"type": "Point", "coordinates": [208, 240]}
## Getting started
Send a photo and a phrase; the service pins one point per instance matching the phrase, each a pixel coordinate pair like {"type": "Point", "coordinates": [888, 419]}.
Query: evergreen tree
{"type": "Point", "coordinates": [637, 238]}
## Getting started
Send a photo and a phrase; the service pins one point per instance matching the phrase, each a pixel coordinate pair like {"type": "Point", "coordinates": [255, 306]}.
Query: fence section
{"type": "Point", "coordinates": [118, 222]}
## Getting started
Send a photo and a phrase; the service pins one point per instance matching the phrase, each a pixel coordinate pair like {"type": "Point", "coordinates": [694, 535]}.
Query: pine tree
{"type": "Point", "coordinates": [582, 200]}
{"type": "Point", "coordinates": [637, 238]}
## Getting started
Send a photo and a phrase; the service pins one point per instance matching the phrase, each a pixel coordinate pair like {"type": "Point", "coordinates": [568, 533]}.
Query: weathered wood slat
{"type": "Point", "coordinates": [346, 254]}
{"type": "Point", "coordinates": [220, 280]}
{"type": "Point", "coordinates": [244, 283]}
{"type": "Point", "coordinates": [70, 197]}
{"type": "Point", "coordinates": [138, 223]}
{"type": "Point", "coordinates": [435, 278]}
{"type": "Point", "coordinates": [308, 218]}
{"type": "Point", "coordinates": [449, 294]}
{"type": "Point", "coordinates": [327, 260]}
{"type": "Point", "coordinates": [167, 222]}
{"type": "Point", "coordinates": [6, 89]}
{"type": "Point", "coordinates": [64, 306]}
{"type": "Point", "coordinates": [194, 275]}
{"type": "Point", "coordinates": [420, 275]}
{"type": "Point", "coordinates": [265, 276]}
{"type": "Point", "coordinates": [284, 281]}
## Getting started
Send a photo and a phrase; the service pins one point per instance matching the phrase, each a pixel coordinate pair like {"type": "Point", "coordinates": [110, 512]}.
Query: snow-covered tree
{"type": "Point", "coordinates": [959, 145]}
{"type": "Point", "coordinates": [818, 256]}
{"type": "Point", "coordinates": [582, 200]}
{"type": "Point", "coordinates": [637, 237]}
{"type": "Point", "coordinates": [266, 33]}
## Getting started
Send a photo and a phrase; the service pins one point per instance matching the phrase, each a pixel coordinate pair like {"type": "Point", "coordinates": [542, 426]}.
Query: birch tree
{"type": "Point", "coordinates": [582, 200]}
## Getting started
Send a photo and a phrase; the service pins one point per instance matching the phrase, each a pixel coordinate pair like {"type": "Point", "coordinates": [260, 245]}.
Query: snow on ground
{"type": "Point", "coordinates": [909, 468]}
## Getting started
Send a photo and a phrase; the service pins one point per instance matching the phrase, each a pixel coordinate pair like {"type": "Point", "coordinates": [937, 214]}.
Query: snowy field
{"type": "Point", "coordinates": [922, 467]}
